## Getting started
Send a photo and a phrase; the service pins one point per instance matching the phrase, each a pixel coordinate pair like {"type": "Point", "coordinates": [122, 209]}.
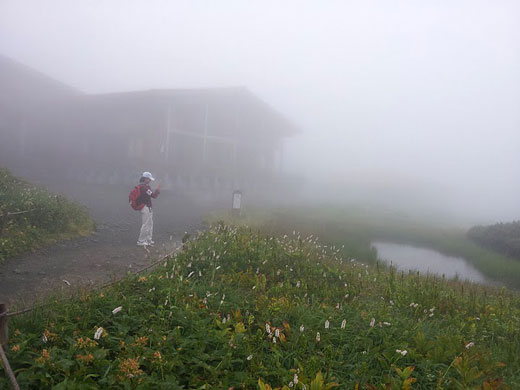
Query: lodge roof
{"type": "Point", "coordinates": [226, 98]}
{"type": "Point", "coordinates": [24, 87]}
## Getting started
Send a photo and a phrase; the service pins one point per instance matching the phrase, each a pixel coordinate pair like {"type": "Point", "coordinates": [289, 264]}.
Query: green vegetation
{"type": "Point", "coordinates": [36, 217]}
{"type": "Point", "coordinates": [501, 237]}
{"type": "Point", "coordinates": [354, 228]}
{"type": "Point", "coordinates": [237, 309]}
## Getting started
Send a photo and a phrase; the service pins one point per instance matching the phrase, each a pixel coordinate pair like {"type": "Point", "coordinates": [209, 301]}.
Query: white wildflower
{"type": "Point", "coordinates": [327, 324]}
{"type": "Point", "coordinates": [318, 337]}
{"type": "Point", "coordinates": [267, 328]}
{"type": "Point", "coordinates": [249, 357]}
{"type": "Point", "coordinates": [277, 333]}
{"type": "Point", "coordinates": [302, 328]}
{"type": "Point", "coordinates": [387, 323]}
{"type": "Point", "coordinates": [469, 345]}
{"type": "Point", "coordinates": [98, 333]}
{"type": "Point", "coordinates": [295, 379]}
{"type": "Point", "coordinates": [44, 338]}
{"type": "Point", "coordinates": [117, 309]}
{"type": "Point", "coordinates": [343, 324]}
{"type": "Point", "coordinates": [403, 352]}
{"type": "Point", "coordinates": [372, 322]}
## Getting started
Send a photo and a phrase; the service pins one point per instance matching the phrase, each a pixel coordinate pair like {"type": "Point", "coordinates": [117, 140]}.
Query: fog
{"type": "Point", "coordinates": [410, 104]}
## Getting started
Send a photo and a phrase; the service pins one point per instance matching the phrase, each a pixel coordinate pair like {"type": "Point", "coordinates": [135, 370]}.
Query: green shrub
{"type": "Point", "coordinates": [44, 217]}
{"type": "Point", "coordinates": [501, 237]}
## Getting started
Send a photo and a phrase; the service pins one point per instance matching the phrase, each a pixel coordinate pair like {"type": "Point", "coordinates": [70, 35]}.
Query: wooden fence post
{"type": "Point", "coordinates": [4, 336]}
{"type": "Point", "coordinates": [3, 221]}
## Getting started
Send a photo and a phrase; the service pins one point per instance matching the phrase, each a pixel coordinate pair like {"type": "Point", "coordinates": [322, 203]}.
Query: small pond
{"type": "Point", "coordinates": [406, 257]}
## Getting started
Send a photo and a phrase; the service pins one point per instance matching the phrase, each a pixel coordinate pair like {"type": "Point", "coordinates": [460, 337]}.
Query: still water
{"type": "Point", "coordinates": [406, 257]}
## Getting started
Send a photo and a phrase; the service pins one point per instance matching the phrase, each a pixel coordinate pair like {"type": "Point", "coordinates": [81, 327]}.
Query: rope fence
{"type": "Point", "coordinates": [21, 212]}
{"type": "Point", "coordinates": [4, 216]}
{"type": "Point", "coordinates": [101, 287]}
{"type": "Point", "coordinates": [5, 314]}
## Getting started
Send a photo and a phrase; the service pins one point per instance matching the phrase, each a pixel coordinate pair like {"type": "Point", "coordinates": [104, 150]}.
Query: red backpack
{"type": "Point", "coordinates": [134, 196]}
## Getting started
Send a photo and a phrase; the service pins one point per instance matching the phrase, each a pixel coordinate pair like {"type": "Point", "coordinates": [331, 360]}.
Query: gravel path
{"type": "Point", "coordinates": [110, 252]}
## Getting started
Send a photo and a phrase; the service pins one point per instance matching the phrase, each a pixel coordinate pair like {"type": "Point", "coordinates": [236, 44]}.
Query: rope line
{"type": "Point", "coordinates": [22, 212]}
{"type": "Point", "coordinates": [103, 286]}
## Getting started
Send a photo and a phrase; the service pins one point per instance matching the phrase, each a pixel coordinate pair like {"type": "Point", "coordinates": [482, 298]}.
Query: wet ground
{"type": "Point", "coordinates": [108, 253]}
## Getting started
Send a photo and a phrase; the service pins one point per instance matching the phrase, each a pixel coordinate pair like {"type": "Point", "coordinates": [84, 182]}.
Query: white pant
{"type": "Point", "coordinates": [145, 237]}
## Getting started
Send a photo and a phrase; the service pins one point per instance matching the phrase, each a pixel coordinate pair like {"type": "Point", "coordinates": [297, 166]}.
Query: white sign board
{"type": "Point", "coordinates": [237, 200]}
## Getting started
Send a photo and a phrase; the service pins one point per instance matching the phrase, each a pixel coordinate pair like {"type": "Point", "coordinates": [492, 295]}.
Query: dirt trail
{"type": "Point", "coordinates": [110, 252]}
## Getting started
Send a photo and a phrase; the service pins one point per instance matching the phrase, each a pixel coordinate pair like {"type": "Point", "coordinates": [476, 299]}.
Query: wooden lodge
{"type": "Point", "coordinates": [192, 138]}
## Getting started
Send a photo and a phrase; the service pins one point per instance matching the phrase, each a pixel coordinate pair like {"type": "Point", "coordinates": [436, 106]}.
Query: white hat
{"type": "Point", "coordinates": [148, 175]}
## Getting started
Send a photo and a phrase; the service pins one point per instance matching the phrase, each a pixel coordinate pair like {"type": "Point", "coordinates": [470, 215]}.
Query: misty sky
{"type": "Point", "coordinates": [403, 98]}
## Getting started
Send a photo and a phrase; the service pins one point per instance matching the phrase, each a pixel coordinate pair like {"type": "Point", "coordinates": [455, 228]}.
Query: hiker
{"type": "Point", "coordinates": [144, 204]}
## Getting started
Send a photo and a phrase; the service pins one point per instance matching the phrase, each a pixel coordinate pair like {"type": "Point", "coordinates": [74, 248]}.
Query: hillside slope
{"type": "Point", "coordinates": [501, 237]}
{"type": "Point", "coordinates": [236, 309]}
{"type": "Point", "coordinates": [30, 216]}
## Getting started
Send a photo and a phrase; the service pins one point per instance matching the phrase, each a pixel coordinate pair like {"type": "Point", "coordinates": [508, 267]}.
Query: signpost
{"type": "Point", "coordinates": [236, 203]}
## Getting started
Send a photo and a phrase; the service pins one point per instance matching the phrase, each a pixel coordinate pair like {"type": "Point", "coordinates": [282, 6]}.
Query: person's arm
{"type": "Point", "coordinates": [157, 191]}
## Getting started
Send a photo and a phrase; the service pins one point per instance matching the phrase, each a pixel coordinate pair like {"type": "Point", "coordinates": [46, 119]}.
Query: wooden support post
{"type": "Point", "coordinates": [3, 342]}
{"type": "Point", "coordinates": [8, 370]}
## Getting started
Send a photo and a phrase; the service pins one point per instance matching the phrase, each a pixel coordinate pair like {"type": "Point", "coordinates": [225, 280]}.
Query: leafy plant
{"type": "Point", "coordinates": [240, 309]}
{"type": "Point", "coordinates": [35, 216]}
